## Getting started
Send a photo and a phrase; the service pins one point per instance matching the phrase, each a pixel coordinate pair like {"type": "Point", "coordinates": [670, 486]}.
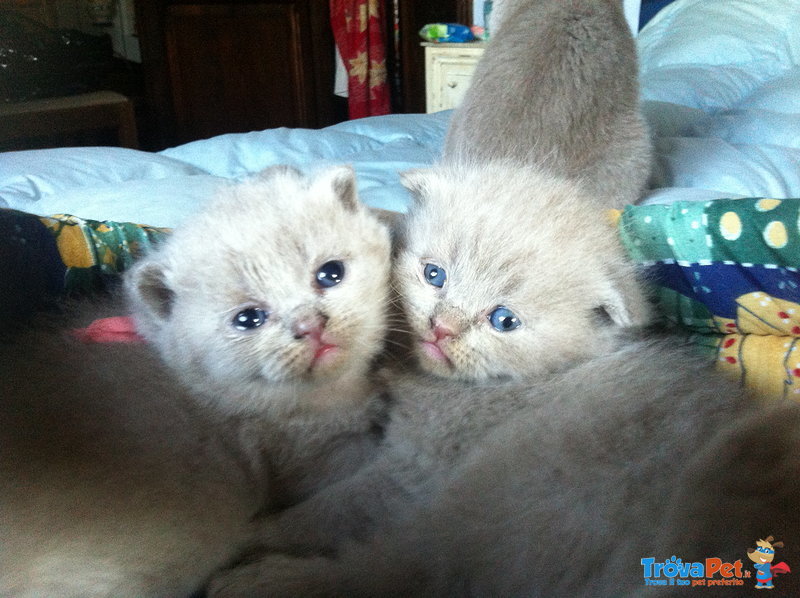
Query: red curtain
{"type": "Point", "coordinates": [359, 30]}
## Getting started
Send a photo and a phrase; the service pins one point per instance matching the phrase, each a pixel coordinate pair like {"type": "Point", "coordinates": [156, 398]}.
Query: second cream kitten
{"type": "Point", "coordinates": [516, 278]}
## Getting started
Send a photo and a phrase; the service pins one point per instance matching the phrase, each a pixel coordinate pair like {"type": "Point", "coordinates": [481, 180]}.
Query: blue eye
{"type": "Point", "coordinates": [250, 318]}
{"type": "Point", "coordinates": [503, 319]}
{"type": "Point", "coordinates": [435, 275]}
{"type": "Point", "coordinates": [330, 274]}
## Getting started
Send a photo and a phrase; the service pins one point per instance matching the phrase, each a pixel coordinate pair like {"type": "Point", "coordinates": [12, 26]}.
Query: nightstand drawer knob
{"type": "Point", "coordinates": [452, 84]}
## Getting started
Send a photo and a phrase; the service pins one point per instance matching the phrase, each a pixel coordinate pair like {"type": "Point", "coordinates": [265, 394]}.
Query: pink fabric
{"type": "Point", "coordinates": [360, 32]}
{"type": "Point", "coordinates": [119, 329]}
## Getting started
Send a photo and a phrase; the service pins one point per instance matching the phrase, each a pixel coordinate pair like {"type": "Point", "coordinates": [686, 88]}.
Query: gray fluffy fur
{"type": "Point", "coordinates": [557, 87]}
{"type": "Point", "coordinates": [555, 487]}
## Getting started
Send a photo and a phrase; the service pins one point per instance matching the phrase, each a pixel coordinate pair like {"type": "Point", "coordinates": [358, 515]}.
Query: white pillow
{"type": "Point", "coordinates": [163, 203]}
{"type": "Point", "coordinates": [28, 176]}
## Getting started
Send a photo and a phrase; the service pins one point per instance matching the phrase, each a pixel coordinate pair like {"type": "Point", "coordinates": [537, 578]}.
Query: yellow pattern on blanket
{"type": "Point", "coordinates": [727, 271]}
{"type": "Point", "coordinates": [82, 253]}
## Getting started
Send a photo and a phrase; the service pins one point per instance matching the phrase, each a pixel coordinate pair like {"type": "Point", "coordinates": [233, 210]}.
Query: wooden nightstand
{"type": "Point", "coordinates": [448, 72]}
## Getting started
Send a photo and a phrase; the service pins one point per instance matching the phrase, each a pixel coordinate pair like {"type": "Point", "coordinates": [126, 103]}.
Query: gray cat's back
{"type": "Point", "coordinates": [558, 86]}
{"type": "Point", "coordinates": [643, 453]}
{"type": "Point", "coordinates": [112, 476]}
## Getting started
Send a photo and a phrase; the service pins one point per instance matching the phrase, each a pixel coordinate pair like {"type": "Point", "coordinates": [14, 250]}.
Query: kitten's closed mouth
{"type": "Point", "coordinates": [432, 350]}
{"type": "Point", "coordinates": [324, 355]}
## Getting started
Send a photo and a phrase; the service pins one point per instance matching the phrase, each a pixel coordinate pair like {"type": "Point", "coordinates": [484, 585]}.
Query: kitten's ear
{"type": "Point", "coordinates": [417, 181]}
{"type": "Point", "coordinates": [624, 302]}
{"type": "Point", "coordinates": [277, 170]}
{"type": "Point", "coordinates": [342, 179]}
{"type": "Point", "coordinates": [149, 293]}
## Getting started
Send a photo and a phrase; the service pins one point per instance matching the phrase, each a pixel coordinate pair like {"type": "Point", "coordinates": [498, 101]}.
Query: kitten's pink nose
{"type": "Point", "coordinates": [309, 326]}
{"type": "Point", "coordinates": [442, 329]}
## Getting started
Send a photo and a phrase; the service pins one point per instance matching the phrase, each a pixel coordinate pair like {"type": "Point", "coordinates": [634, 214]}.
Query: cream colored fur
{"type": "Point", "coordinates": [511, 235]}
{"type": "Point", "coordinates": [133, 470]}
{"type": "Point", "coordinates": [238, 254]}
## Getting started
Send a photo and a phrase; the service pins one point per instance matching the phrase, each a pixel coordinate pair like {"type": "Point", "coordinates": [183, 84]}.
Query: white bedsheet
{"type": "Point", "coordinates": [721, 88]}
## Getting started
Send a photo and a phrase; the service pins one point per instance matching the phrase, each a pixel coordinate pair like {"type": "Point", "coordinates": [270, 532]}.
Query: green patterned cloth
{"type": "Point", "coordinates": [92, 248]}
{"type": "Point", "coordinates": [727, 270]}
{"type": "Point", "coordinates": [81, 253]}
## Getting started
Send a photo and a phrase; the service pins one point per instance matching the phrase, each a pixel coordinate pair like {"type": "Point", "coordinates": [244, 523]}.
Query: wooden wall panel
{"type": "Point", "coordinates": [235, 68]}
{"type": "Point", "coordinates": [227, 66]}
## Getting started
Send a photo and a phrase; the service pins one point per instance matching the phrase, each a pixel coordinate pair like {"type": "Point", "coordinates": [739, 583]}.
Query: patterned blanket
{"type": "Point", "coordinates": [727, 271]}
{"type": "Point", "coordinates": [74, 256]}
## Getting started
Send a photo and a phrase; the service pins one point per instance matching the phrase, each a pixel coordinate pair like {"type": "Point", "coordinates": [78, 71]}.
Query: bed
{"type": "Point", "coordinates": [718, 234]}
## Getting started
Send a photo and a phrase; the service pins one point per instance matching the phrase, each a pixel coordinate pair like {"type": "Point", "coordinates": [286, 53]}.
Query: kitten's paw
{"type": "Point", "coordinates": [273, 576]}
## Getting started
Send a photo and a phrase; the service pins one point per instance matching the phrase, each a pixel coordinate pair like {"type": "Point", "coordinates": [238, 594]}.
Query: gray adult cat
{"type": "Point", "coordinates": [134, 469]}
{"type": "Point", "coordinates": [557, 87]}
{"type": "Point", "coordinates": [553, 487]}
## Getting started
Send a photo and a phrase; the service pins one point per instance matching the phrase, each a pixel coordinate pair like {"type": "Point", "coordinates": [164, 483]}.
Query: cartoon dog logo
{"type": "Point", "coordinates": [763, 557]}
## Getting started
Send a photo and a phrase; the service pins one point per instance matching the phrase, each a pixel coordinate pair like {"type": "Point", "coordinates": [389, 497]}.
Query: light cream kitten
{"type": "Point", "coordinates": [557, 87]}
{"type": "Point", "coordinates": [242, 258]}
{"type": "Point", "coordinates": [134, 469]}
{"type": "Point", "coordinates": [506, 272]}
